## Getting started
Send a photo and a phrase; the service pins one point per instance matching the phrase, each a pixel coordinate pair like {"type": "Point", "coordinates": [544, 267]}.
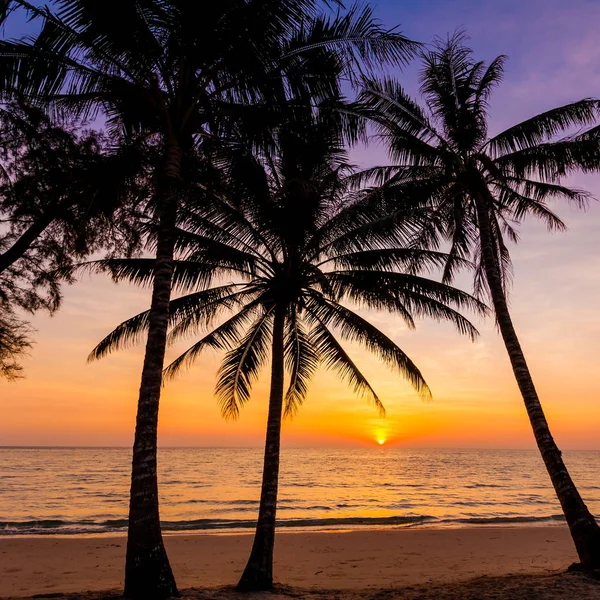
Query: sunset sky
{"type": "Point", "coordinates": [554, 58]}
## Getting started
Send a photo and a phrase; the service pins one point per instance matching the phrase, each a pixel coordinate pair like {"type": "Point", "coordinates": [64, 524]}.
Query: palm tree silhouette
{"type": "Point", "coordinates": [474, 189]}
{"type": "Point", "coordinates": [287, 233]}
{"type": "Point", "coordinates": [154, 69]}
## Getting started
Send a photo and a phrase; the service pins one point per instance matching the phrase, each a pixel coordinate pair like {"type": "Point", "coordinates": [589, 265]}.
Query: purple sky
{"type": "Point", "coordinates": [552, 46]}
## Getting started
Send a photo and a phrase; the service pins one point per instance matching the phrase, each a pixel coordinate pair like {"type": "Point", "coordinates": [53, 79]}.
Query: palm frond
{"type": "Point", "coordinates": [551, 161]}
{"type": "Point", "coordinates": [354, 328]}
{"type": "Point", "coordinates": [407, 294]}
{"type": "Point", "coordinates": [490, 79]}
{"type": "Point", "coordinates": [242, 365]}
{"type": "Point", "coordinates": [409, 260]}
{"type": "Point", "coordinates": [196, 311]}
{"type": "Point", "coordinates": [545, 126]}
{"type": "Point", "coordinates": [519, 205]}
{"type": "Point", "coordinates": [186, 312]}
{"type": "Point", "coordinates": [359, 40]}
{"type": "Point", "coordinates": [302, 360]}
{"type": "Point", "coordinates": [388, 106]}
{"type": "Point", "coordinates": [223, 337]}
{"type": "Point", "coordinates": [123, 336]}
{"type": "Point", "coordinates": [333, 356]}
{"type": "Point", "coordinates": [187, 274]}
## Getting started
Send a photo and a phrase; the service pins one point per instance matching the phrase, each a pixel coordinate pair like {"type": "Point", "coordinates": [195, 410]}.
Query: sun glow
{"type": "Point", "coordinates": [381, 442]}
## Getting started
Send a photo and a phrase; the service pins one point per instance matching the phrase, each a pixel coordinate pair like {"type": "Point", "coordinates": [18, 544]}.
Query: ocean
{"type": "Point", "coordinates": [85, 490]}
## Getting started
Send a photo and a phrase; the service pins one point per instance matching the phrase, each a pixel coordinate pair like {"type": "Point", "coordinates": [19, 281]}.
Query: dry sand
{"type": "Point", "coordinates": [382, 564]}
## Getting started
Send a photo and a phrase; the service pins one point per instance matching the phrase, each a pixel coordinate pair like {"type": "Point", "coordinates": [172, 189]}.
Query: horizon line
{"type": "Point", "coordinates": [316, 447]}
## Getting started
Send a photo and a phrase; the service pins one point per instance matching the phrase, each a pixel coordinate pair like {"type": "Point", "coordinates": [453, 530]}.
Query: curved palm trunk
{"type": "Point", "coordinates": [583, 527]}
{"type": "Point", "coordinates": [148, 573]}
{"type": "Point", "coordinates": [258, 574]}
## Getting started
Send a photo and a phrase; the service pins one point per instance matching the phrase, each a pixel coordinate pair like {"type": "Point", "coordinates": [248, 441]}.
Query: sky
{"type": "Point", "coordinates": [554, 58]}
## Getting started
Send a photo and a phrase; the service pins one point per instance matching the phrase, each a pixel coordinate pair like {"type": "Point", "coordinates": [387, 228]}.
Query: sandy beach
{"type": "Point", "coordinates": [315, 562]}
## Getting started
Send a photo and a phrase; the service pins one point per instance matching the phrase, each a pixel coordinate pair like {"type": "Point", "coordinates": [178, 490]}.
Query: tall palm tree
{"type": "Point", "coordinates": [153, 67]}
{"type": "Point", "coordinates": [287, 234]}
{"type": "Point", "coordinates": [476, 189]}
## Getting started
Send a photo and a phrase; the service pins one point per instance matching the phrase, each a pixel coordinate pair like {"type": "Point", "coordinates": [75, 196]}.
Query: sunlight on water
{"type": "Point", "coordinates": [86, 490]}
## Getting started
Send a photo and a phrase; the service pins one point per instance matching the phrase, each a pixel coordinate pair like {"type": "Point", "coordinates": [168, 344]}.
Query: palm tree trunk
{"type": "Point", "coordinates": [148, 573]}
{"type": "Point", "coordinates": [583, 527]}
{"type": "Point", "coordinates": [258, 574]}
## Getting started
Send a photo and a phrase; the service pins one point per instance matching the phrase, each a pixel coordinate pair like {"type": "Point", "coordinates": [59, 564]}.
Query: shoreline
{"type": "Point", "coordinates": [297, 525]}
{"type": "Point", "coordinates": [226, 531]}
{"type": "Point", "coordinates": [329, 560]}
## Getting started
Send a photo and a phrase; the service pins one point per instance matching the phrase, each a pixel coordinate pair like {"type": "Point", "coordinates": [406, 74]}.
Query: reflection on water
{"type": "Point", "coordinates": [75, 490]}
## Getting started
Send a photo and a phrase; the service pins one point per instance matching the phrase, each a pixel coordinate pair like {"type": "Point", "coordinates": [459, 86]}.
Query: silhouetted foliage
{"type": "Point", "coordinates": [64, 195]}
{"type": "Point", "coordinates": [159, 70]}
{"type": "Point", "coordinates": [15, 342]}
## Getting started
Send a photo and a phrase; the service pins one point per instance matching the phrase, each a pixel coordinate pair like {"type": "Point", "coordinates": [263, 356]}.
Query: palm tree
{"type": "Point", "coordinates": [288, 235]}
{"type": "Point", "coordinates": [154, 68]}
{"type": "Point", "coordinates": [477, 189]}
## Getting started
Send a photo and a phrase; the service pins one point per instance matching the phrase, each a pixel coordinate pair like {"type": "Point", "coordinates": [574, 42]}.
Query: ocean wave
{"type": "Point", "coordinates": [506, 520]}
{"type": "Point", "coordinates": [484, 485]}
{"type": "Point", "coordinates": [64, 527]}
{"type": "Point", "coordinates": [57, 526]}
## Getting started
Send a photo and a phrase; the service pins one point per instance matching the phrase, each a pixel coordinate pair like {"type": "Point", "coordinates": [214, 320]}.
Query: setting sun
{"type": "Point", "coordinates": [381, 442]}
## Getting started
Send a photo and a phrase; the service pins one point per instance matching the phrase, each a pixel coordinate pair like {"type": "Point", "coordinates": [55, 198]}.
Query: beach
{"type": "Point", "coordinates": [359, 562]}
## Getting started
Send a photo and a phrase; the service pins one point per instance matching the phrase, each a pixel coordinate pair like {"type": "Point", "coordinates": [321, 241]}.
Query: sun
{"type": "Point", "coordinates": [381, 442]}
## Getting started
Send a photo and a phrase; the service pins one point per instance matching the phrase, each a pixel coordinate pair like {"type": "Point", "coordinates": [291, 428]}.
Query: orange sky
{"type": "Point", "coordinates": [476, 403]}
{"type": "Point", "coordinates": [65, 401]}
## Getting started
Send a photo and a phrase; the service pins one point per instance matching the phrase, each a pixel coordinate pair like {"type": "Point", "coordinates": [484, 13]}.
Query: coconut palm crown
{"type": "Point", "coordinates": [286, 234]}
{"type": "Point", "coordinates": [474, 190]}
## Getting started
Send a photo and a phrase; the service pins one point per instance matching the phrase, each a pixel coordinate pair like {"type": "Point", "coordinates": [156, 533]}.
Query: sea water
{"type": "Point", "coordinates": [85, 490]}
